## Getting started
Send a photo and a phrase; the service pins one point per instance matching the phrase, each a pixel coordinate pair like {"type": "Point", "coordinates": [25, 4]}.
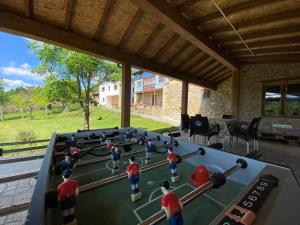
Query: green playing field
{"type": "Point", "coordinates": [111, 204]}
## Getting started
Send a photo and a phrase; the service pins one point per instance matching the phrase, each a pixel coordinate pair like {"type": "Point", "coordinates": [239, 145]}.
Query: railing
{"type": "Point", "coordinates": [25, 149]}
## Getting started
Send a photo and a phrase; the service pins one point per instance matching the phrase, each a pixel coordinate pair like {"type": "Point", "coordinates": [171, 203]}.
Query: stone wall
{"type": "Point", "coordinates": [250, 93]}
{"type": "Point", "coordinates": [218, 102]}
{"type": "Point", "coordinates": [172, 93]}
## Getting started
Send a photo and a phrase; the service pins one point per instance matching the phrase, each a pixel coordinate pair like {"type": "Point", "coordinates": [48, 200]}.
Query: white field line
{"type": "Point", "coordinates": [211, 198]}
{"type": "Point", "coordinates": [149, 202]}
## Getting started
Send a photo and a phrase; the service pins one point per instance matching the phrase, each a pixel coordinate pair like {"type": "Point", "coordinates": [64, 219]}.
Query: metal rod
{"type": "Point", "coordinates": [111, 179]}
{"type": "Point", "coordinates": [155, 218]}
{"type": "Point", "coordinates": [232, 26]}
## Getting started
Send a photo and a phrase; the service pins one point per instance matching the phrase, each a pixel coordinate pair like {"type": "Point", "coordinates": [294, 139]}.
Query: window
{"type": "Point", "coordinates": [103, 89]}
{"type": "Point", "coordinates": [108, 88]}
{"type": "Point", "coordinates": [115, 87]}
{"type": "Point", "coordinates": [103, 99]}
{"type": "Point", "coordinates": [161, 79]}
{"type": "Point", "coordinates": [281, 98]}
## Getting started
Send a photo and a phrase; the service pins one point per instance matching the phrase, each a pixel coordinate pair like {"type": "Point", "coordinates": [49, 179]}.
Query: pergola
{"type": "Point", "coordinates": [202, 42]}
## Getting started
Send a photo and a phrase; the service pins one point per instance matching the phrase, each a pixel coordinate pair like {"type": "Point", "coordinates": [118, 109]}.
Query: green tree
{"type": "Point", "coordinates": [61, 90]}
{"type": "Point", "coordinates": [3, 98]}
{"type": "Point", "coordinates": [39, 98]}
{"type": "Point", "coordinates": [83, 69]}
{"type": "Point", "coordinates": [18, 101]}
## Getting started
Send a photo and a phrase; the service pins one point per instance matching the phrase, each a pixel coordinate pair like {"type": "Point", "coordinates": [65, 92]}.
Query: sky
{"type": "Point", "coordinates": [16, 62]}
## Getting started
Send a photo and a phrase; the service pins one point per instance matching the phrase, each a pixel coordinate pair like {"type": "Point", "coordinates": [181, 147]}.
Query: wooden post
{"type": "Point", "coordinates": [235, 93]}
{"type": "Point", "coordinates": [126, 92]}
{"type": "Point", "coordinates": [184, 98]}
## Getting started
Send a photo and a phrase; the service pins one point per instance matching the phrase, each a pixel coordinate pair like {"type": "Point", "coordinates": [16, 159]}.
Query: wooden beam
{"type": "Point", "coordinates": [53, 35]}
{"type": "Point", "coordinates": [28, 8]}
{"type": "Point", "coordinates": [260, 21]}
{"type": "Point", "coordinates": [262, 61]}
{"type": "Point", "coordinates": [168, 15]}
{"type": "Point", "coordinates": [223, 79]}
{"type": "Point", "coordinates": [295, 56]}
{"type": "Point", "coordinates": [221, 74]}
{"type": "Point", "coordinates": [29, 157]}
{"type": "Point", "coordinates": [203, 57]}
{"type": "Point", "coordinates": [166, 46]}
{"type": "Point", "coordinates": [230, 39]}
{"type": "Point", "coordinates": [14, 209]}
{"type": "Point", "coordinates": [184, 97]}
{"type": "Point", "coordinates": [187, 4]}
{"type": "Point", "coordinates": [244, 6]}
{"type": "Point", "coordinates": [202, 65]}
{"type": "Point", "coordinates": [187, 58]}
{"type": "Point", "coordinates": [18, 177]}
{"type": "Point", "coordinates": [69, 13]}
{"type": "Point", "coordinates": [214, 73]}
{"type": "Point", "coordinates": [131, 28]}
{"type": "Point", "coordinates": [208, 69]}
{"type": "Point", "coordinates": [270, 51]}
{"type": "Point", "coordinates": [150, 38]}
{"type": "Point", "coordinates": [178, 52]}
{"type": "Point", "coordinates": [126, 95]}
{"type": "Point", "coordinates": [108, 10]}
{"type": "Point", "coordinates": [235, 86]}
{"type": "Point", "coordinates": [267, 43]}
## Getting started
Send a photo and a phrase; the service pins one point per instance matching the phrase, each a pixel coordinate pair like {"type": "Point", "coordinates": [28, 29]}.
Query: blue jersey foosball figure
{"type": "Point", "coordinates": [115, 156]}
{"type": "Point", "coordinates": [128, 136]}
{"type": "Point", "coordinates": [149, 149]}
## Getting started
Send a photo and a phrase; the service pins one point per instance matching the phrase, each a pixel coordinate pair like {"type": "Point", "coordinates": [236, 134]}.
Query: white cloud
{"type": "Point", "coordinates": [23, 70]}
{"type": "Point", "coordinates": [12, 84]}
{"type": "Point", "coordinates": [28, 39]}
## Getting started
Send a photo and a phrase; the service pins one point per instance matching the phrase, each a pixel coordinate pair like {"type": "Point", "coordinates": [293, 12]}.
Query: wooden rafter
{"type": "Point", "coordinates": [223, 79]}
{"type": "Point", "coordinates": [28, 8]}
{"type": "Point", "coordinates": [202, 57]}
{"type": "Point", "coordinates": [213, 72]}
{"type": "Point", "coordinates": [168, 15]}
{"type": "Point", "coordinates": [187, 58]}
{"type": "Point", "coordinates": [47, 33]}
{"type": "Point", "coordinates": [270, 51]}
{"type": "Point", "coordinates": [108, 10]}
{"type": "Point", "coordinates": [159, 27]}
{"type": "Point", "coordinates": [186, 5]}
{"type": "Point", "coordinates": [261, 34]}
{"type": "Point", "coordinates": [178, 52]}
{"type": "Point", "coordinates": [267, 43]}
{"type": "Point", "coordinates": [166, 46]}
{"type": "Point", "coordinates": [68, 16]}
{"type": "Point", "coordinates": [271, 58]}
{"type": "Point", "coordinates": [218, 74]}
{"type": "Point", "coordinates": [207, 69]}
{"type": "Point", "coordinates": [131, 28]}
{"type": "Point", "coordinates": [202, 65]}
{"type": "Point", "coordinates": [245, 6]}
{"type": "Point", "coordinates": [288, 15]}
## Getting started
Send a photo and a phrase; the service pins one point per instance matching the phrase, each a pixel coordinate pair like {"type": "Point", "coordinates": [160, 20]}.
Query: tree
{"type": "Point", "coordinates": [18, 101]}
{"type": "Point", "coordinates": [39, 98]}
{"type": "Point", "coordinates": [3, 98]}
{"type": "Point", "coordinates": [61, 90]}
{"type": "Point", "coordinates": [81, 68]}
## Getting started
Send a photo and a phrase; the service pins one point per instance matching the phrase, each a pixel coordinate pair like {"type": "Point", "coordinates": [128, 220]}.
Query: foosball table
{"type": "Point", "coordinates": [213, 186]}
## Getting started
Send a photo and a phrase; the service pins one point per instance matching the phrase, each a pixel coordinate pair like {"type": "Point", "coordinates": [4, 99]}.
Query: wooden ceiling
{"type": "Point", "coordinates": [199, 41]}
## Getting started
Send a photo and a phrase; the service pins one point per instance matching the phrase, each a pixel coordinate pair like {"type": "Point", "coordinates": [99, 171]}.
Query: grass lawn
{"type": "Point", "coordinates": [43, 127]}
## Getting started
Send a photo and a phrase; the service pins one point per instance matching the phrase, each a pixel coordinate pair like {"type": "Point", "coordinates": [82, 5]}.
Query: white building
{"type": "Point", "coordinates": [109, 94]}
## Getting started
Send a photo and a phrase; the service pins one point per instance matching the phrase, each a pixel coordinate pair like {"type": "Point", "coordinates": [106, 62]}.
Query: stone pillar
{"type": "Point", "coordinates": [185, 96]}
{"type": "Point", "coordinates": [125, 96]}
{"type": "Point", "coordinates": [235, 93]}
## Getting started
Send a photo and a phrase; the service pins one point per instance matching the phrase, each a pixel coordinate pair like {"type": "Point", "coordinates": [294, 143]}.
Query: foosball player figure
{"type": "Point", "coordinates": [109, 144]}
{"type": "Point", "coordinates": [149, 149]}
{"type": "Point", "coordinates": [103, 138]}
{"type": "Point", "coordinates": [115, 156]}
{"type": "Point", "coordinates": [171, 205]}
{"type": "Point", "coordinates": [75, 152]}
{"type": "Point", "coordinates": [172, 164]}
{"type": "Point", "coordinates": [128, 136]}
{"type": "Point", "coordinates": [133, 172]}
{"type": "Point", "coordinates": [67, 191]}
{"type": "Point", "coordinates": [67, 163]}
{"type": "Point", "coordinates": [72, 141]}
